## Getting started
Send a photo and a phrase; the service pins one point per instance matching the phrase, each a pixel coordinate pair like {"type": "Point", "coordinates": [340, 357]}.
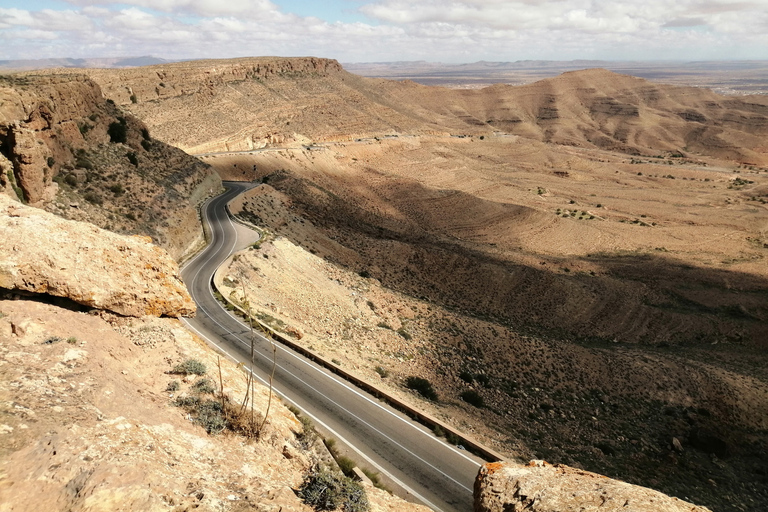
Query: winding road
{"type": "Point", "coordinates": [425, 468]}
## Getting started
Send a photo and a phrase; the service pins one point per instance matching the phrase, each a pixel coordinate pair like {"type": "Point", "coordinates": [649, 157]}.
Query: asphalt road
{"type": "Point", "coordinates": [427, 469]}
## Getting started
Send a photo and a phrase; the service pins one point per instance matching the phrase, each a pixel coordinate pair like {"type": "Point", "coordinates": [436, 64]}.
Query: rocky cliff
{"type": "Point", "coordinates": [246, 104]}
{"type": "Point", "coordinates": [100, 411]}
{"type": "Point", "coordinates": [42, 253]}
{"type": "Point", "coordinates": [65, 148]}
{"type": "Point", "coordinates": [542, 487]}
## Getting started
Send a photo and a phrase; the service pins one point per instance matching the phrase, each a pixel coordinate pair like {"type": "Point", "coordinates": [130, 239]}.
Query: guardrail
{"type": "Point", "coordinates": [430, 421]}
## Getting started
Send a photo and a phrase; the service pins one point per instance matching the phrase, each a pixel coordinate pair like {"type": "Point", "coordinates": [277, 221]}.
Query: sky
{"type": "Point", "coordinates": [387, 30]}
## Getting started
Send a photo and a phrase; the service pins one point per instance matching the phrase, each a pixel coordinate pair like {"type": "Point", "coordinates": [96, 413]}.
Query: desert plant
{"type": "Point", "coordinates": [117, 132]}
{"type": "Point", "coordinates": [173, 386]}
{"type": "Point", "coordinates": [132, 158]}
{"type": "Point", "coordinates": [117, 189]}
{"type": "Point", "coordinates": [472, 397]}
{"type": "Point", "coordinates": [308, 434]}
{"type": "Point", "coordinates": [204, 386]}
{"type": "Point", "coordinates": [93, 198]}
{"type": "Point", "coordinates": [72, 340]}
{"type": "Point", "coordinates": [323, 490]}
{"type": "Point", "coordinates": [189, 367]}
{"type": "Point", "coordinates": [71, 180]}
{"type": "Point", "coordinates": [383, 372]}
{"type": "Point", "coordinates": [421, 386]}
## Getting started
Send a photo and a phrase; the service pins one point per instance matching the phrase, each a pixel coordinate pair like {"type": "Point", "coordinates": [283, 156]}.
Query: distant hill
{"type": "Point", "coordinates": [115, 62]}
{"type": "Point", "coordinates": [310, 99]}
{"type": "Point", "coordinates": [727, 77]}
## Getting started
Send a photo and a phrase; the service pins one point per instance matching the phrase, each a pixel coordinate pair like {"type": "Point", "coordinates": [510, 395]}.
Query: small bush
{"type": "Point", "coordinates": [466, 377]}
{"type": "Point", "coordinates": [117, 189]}
{"type": "Point", "coordinates": [117, 132]}
{"type": "Point", "coordinates": [383, 372]}
{"type": "Point", "coordinates": [133, 159]}
{"type": "Point", "coordinates": [94, 198]}
{"type": "Point", "coordinates": [130, 216]}
{"type": "Point", "coordinates": [189, 367]}
{"type": "Point", "coordinates": [83, 162]}
{"type": "Point", "coordinates": [173, 386]}
{"type": "Point", "coordinates": [145, 134]}
{"type": "Point", "coordinates": [71, 180]}
{"type": "Point", "coordinates": [472, 397]}
{"type": "Point", "coordinates": [421, 386]}
{"type": "Point", "coordinates": [345, 464]}
{"type": "Point", "coordinates": [405, 334]}
{"type": "Point", "coordinates": [72, 340]}
{"type": "Point", "coordinates": [308, 434]}
{"type": "Point", "coordinates": [204, 386]}
{"type": "Point", "coordinates": [50, 161]}
{"type": "Point", "coordinates": [323, 490]}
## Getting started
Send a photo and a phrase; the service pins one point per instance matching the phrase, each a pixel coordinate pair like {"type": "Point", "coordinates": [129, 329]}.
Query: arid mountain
{"type": "Point", "coordinates": [65, 148]}
{"type": "Point", "coordinates": [577, 265]}
{"type": "Point", "coordinates": [250, 103]}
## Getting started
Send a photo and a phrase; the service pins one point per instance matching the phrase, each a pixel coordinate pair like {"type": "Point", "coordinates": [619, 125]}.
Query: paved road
{"type": "Point", "coordinates": [427, 469]}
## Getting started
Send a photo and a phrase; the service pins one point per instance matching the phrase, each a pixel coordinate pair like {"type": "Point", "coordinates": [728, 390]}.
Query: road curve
{"type": "Point", "coordinates": [428, 470]}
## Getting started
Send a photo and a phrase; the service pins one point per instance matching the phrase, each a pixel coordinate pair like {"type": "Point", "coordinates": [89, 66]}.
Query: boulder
{"type": "Point", "coordinates": [543, 487]}
{"type": "Point", "coordinates": [43, 253]}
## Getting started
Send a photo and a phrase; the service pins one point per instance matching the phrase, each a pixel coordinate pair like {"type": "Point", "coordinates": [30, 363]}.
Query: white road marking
{"type": "Point", "coordinates": [327, 375]}
{"type": "Point", "coordinates": [324, 425]}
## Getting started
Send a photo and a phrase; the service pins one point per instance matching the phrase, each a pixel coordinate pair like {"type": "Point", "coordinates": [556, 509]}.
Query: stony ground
{"type": "Point", "coordinates": [362, 285]}
{"type": "Point", "coordinates": [87, 421]}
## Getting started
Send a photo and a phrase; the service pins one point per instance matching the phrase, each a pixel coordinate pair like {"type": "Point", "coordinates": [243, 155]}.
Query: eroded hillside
{"type": "Point", "coordinates": [65, 148]}
{"type": "Point", "coordinates": [243, 104]}
{"type": "Point", "coordinates": [578, 265]}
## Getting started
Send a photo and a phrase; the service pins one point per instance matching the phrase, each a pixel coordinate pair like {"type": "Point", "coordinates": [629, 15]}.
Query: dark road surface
{"type": "Point", "coordinates": [430, 471]}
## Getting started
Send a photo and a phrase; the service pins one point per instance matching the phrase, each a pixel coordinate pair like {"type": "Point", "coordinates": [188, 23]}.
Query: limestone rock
{"type": "Point", "coordinates": [543, 487]}
{"type": "Point", "coordinates": [43, 253]}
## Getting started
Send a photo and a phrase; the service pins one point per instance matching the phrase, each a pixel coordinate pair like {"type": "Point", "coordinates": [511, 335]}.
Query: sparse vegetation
{"type": "Point", "coordinates": [190, 367]}
{"type": "Point", "coordinates": [325, 490]}
{"type": "Point", "coordinates": [173, 386]}
{"type": "Point", "coordinates": [422, 386]}
{"type": "Point", "coordinates": [93, 198]}
{"type": "Point", "coordinates": [203, 386]}
{"type": "Point", "coordinates": [118, 132]}
{"type": "Point", "coordinates": [472, 397]}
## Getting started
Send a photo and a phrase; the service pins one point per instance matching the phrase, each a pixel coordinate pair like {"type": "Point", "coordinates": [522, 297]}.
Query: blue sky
{"type": "Point", "coordinates": [450, 31]}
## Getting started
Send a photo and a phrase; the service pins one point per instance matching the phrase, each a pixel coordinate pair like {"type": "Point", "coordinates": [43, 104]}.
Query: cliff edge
{"type": "Point", "coordinates": [543, 487]}
{"type": "Point", "coordinates": [43, 253]}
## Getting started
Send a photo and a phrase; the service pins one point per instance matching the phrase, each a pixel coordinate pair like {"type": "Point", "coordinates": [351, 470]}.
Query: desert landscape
{"type": "Point", "coordinates": [577, 266]}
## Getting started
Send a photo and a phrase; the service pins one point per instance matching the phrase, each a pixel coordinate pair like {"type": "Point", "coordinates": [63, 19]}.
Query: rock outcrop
{"type": "Point", "coordinates": [543, 487]}
{"type": "Point", "coordinates": [65, 148]}
{"type": "Point", "coordinates": [42, 253]}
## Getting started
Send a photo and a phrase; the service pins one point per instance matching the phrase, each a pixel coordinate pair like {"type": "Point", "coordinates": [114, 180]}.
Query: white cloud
{"type": "Point", "coordinates": [206, 8]}
{"type": "Point", "coordinates": [448, 31]}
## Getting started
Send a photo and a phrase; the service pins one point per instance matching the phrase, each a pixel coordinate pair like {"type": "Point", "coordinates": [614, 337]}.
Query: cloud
{"type": "Point", "coordinates": [204, 8]}
{"type": "Point", "coordinates": [445, 30]}
{"type": "Point", "coordinates": [685, 22]}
